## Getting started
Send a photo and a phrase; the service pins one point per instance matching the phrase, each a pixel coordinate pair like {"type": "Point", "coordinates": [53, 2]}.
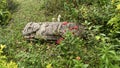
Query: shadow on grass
{"type": "Point", "coordinates": [12, 5]}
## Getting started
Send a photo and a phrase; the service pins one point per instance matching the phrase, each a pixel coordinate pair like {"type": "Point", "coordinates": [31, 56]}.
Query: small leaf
{"type": "Point", "coordinates": [85, 66]}
{"type": "Point", "coordinates": [107, 61]}
{"type": "Point", "coordinates": [49, 66]}
{"type": "Point", "coordinates": [103, 56]}
{"type": "Point", "coordinates": [112, 52]}
{"type": "Point", "coordinates": [97, 37]}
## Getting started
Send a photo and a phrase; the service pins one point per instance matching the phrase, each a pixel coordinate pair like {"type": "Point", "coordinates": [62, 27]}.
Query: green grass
{"type": "Point", "coordinates": [11, 36]}
{"type": "Point", "coordinates": [27, 11]}
{"type": "Point", "coordinates": [37, 55]}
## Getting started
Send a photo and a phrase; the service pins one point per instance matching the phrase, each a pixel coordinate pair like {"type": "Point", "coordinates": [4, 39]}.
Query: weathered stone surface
{"type": "Point", "coordinates": [31, 28]}
{"type": "Point", "coordinates": [50, 30]}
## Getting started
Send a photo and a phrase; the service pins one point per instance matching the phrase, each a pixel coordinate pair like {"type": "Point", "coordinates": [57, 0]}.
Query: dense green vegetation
{"type": "Point", "coordinates": [100, 48]}
{"type": "Point", "coordinates": [3, 62]}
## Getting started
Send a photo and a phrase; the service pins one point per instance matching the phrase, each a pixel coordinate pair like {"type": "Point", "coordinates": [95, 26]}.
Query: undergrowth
{"type": "Point", "coordinates": [100, 48]}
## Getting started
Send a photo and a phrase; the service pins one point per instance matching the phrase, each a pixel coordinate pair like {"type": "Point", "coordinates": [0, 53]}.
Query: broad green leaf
{"type": "Point", "coordinates": [112, 52]}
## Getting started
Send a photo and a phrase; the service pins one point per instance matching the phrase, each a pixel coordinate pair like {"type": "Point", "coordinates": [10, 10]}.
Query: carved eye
{"type": "Point", "coordinates": [29, 27]}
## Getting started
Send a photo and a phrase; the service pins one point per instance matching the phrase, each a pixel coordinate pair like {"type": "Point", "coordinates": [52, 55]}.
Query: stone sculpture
{"type": "Point", "coordinates": [50, 30]}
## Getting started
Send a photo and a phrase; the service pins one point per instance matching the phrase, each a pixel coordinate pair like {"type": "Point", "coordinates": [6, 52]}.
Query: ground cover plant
{"type": "Point", "coordinates": [3, 62]}
{"type": "Point", "coordinates": [99, 48]}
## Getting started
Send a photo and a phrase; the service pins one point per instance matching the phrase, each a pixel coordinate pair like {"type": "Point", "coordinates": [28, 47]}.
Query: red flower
{"type": "Point", "coordinates": [64, 23]}
{"type": "Point", "coordinates": [75, 27]}
{"type": "Point", "coordinates": [59, 40]}
{"type": "Point", "coordinates": [71, 28]}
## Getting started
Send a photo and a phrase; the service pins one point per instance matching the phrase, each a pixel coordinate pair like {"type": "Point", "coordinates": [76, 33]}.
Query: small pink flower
{"type": "Point", "coordinates": [78, 58]}
{"type": "Point", "coordinates": [64, 31]}
{"type": "Point", "coordinates": [75, 27]}
{"type": "Point", "coordinates": [71, 28]}
{"type": "Point", "coordinates": [64, 23]}
{"type": "Point", "coordinates": [59, 40]}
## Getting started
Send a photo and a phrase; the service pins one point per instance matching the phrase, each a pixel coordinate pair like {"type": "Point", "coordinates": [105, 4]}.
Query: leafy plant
{"type": "Point", "coordinates": [79, 64]}
{"type": "Point", "coordinates": [108, 56]}
{"type": "Point", "coordinates": [4, 13]}
{"type": "Point", "coordinates": [3, 62]}
{"type": "Point", "coordinates": [114, 22]}
{"type": "Point", "coordinates": [70, 46]}
{"type": "Point", "coordinates": [99, 48]}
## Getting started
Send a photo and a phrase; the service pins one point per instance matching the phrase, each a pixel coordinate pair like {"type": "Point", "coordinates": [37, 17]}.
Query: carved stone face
{"type": "Point", "coordinates": [30, 28]}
